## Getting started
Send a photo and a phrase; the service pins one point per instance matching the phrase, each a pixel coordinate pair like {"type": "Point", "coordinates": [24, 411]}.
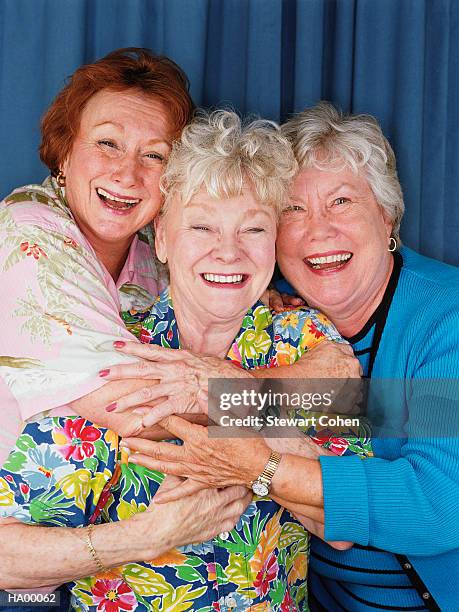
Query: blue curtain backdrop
{"type": "Point", "coordinates": [395, 59]}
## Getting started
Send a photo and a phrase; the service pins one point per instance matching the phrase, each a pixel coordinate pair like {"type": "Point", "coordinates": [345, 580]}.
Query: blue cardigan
{"type": "Point", "coordinates": [406, 499]}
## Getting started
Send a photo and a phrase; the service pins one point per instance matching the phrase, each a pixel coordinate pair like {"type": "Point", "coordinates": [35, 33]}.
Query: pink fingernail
{"type": "Point", "coordinates": [111, 407]}
{"type": "Point", "coordinates": [104, 373]}
{"type": "Point", "coordinates": [119, 344]}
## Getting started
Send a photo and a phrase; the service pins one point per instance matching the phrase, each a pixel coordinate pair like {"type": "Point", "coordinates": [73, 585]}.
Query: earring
{"type": "Point", "coordinates": [60, 178]}
{"type": "Point", "coordinates": [392, 245]}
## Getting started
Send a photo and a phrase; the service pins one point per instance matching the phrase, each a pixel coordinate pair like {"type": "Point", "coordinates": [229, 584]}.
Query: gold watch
{"type": "Point", "coordinates": [262, 484]}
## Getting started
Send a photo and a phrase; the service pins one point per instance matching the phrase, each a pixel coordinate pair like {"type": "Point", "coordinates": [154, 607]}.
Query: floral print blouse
{"type": "Point", "coordinates": [59, 469]}
{"type": "Point", "coordinates": [60, 308]}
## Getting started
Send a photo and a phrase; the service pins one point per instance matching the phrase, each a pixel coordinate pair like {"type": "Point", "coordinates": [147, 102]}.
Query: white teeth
{"type": "Point", "coordinates": [329, 258]}
{"type": "Point", "coordinates": [110, 196]}
{"type": "Point", "coordinates": [218, 278]}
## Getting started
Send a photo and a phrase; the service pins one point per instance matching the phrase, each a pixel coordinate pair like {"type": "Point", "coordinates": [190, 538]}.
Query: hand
{"type": "Point", "coordinates": [183, 380]}
{"type": "Point", "coordinates": [332, 360]}
{"type": "Point", "coordinates": [279, 302]}
{"type": "Point", "coordinates": [301, 446]}
{"type": "Point", "coordinates": [193, 519]}
{"type": "Point", "coordinates": [312, 518]}
{"type": "Point", "coordinates": [317, 529]}
{"type": "Point", "coordinates": [216, 462]}
{"type": "Point", "coordinates": [337, 361]}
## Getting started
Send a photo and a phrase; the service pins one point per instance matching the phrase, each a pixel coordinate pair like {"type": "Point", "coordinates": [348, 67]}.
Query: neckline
{"type": "Point", "coordinates": [385, 303]}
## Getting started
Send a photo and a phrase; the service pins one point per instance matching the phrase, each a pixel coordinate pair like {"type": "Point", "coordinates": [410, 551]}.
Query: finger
{"type": "Point", "coordinates": [139, 369]}
{"type": "Point", "coordinates": [318, 529]}
{"type": "Point", "coordinates": [236, 509]}
{"type": "Point", "coordinates": [142, 411]}
{"type": "Point", "coordinates": [146, 395]}
{"type": "Point", "coordinates": [183, 490]}
{"type": "Point", "coordinates": [170, 482]}
{"type": "Point", "coordinates": [312, 526]}
{"type": "Point", "coordinates": [165, 467]}
{"type": "Point", "coordinates": [291, 300]}
{"type": "Point", "coordinates": [156, 450]}
{"type": "Point", "coordinates": [275, 301]}
{"type": "Point", "coordinates": [182, 429]}
{"type": "Point", "coordinates": [120, 370]}
{"type": "Point", "coordinates": [229, 494]}
{"type": "Point", "coordinates": [160, 412]}
{"type": "Point", "coordinates": [340, 545]}
{"type": "Point", "coordinates": [314, 513]}
{"type": "Point", "coordinates": [150, 352]}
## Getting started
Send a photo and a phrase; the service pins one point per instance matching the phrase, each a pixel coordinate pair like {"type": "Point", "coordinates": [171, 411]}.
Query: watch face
{"type": "Point", "coordinates": [260, 489]}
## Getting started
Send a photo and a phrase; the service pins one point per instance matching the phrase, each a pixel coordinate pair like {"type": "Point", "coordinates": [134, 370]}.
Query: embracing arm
{"type": "Point", "coordinates": [408, 504]}
{"type": "Point", "coordinates": [59, 554]}
{"type": "Point", "coordinates": [219, 463]}
{"type": "Point", "coordinates": [326, 360]}
{"type": "Point", "coordinates": [58, 298]}
{"type": "Point", "coordinates": [184, 377]}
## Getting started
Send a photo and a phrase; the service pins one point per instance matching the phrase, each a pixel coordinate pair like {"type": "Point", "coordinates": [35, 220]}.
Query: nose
{"type": "Point", "coordinates": [227, 249]}
{"type": "Point", "coordinates": [126, 171]}
{"type": "Point", "coordinates": [319, 226]}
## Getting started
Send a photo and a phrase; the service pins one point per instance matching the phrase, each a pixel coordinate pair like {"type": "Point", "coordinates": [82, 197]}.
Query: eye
{"type": "Point", "coordinates": [290, 208]}
{"type": "Point", "coordinates": [155, 156]}
{"type": "Point", "coordinates": [202, 228]}
{"type": "Point", "coordinates": [340, 201]}
{"type": "Point", "coordinates": [107, 143]}
{"type": "Point", "coordinates": [255, 230]}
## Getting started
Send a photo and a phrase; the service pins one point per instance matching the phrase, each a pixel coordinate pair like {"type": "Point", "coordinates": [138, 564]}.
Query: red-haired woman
{"type": "Point", "coordinates": [74, 252]}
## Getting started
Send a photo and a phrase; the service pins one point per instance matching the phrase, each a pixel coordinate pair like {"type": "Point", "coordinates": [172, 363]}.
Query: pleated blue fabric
{"type": "Point", "coordinates": [394, 59]}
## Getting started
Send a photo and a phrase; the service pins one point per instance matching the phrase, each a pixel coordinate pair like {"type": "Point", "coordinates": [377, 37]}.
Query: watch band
{"type": "Point", "coordinates": [267, 474]}
{"type": "Point", "coordinates": [271, 466]}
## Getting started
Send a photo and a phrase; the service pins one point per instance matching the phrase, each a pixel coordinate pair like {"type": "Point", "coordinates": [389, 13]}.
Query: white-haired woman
{"type": "Point", "coordinates": [225, 187]}
{"type": "Point", "coordinates": [338, 245]}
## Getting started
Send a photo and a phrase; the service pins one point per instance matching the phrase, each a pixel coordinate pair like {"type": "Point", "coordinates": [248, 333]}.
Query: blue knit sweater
{"type": "Point", "coordinates": [406, 499]}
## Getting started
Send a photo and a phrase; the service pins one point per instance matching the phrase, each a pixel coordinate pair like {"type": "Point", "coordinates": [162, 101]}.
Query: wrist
{"type": "Point", "coordinates": [261, 485]}
{"type": "Point", "coordinates": [151, 533]}
{"type": "Point", "coordinates": [299, 480]}
{"type": "Point", "coordinates": [234, 370]}
{"type": "Point", "coordinates": [258, 465]}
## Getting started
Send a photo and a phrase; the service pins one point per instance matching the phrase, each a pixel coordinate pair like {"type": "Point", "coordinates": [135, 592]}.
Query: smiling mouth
{"type": "Point", "coordinates": [116, 202]}
{"type": "Point", "coordinates": [328, 262]}
{"type": "Point", "coordinates": [224, 280]}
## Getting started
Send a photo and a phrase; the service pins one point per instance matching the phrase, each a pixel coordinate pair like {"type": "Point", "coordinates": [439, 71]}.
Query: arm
{"type": "Point", "coordinates": [184, 376]}
{"type": "Point", "coordinates": [55, 501]}
{"type": "Point", "coordinates": [60, 554]}
{"type": "Point", "coordinates": [241, 461]}
{"type": "Point", "coordinates": [326, 360]}
{"type": "Point", "coordinates": [58, 300]}
{"type": "Point", "coordinates": [408, 503]}
{"type": "Point", "coordinates": [219, 463]}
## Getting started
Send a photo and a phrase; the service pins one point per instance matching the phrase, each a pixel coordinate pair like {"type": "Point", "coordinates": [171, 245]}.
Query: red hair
{"type": "Point", "coordinates": [120, 70]}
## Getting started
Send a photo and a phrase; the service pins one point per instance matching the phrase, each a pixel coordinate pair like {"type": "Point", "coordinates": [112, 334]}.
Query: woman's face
{"type": "Point", "coordinates": [221, 253]}
{"type": "Point", "coordinates": [332, 243]}
{"type": "Point", "coordinates": [113, 169]}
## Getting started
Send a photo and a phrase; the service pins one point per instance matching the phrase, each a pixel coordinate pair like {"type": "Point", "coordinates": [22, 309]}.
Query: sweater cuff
{"type": "Point", "coordinates": [345, 499]}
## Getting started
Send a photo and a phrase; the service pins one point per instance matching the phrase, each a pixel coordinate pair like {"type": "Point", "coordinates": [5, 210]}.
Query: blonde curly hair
{"type": "Point", "coordinates": [220, 152]}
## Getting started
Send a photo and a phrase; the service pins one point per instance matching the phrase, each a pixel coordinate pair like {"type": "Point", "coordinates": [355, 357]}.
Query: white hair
{"type": "Point", "coordinates": [324, 138]}
{"type": "Point", "coordinates": [221, 153]}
